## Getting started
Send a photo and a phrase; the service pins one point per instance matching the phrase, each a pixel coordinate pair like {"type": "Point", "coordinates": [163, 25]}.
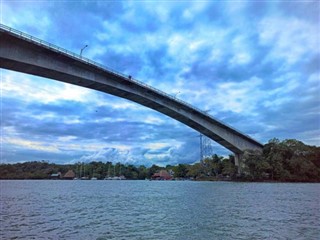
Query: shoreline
{"type": "Point", "coordinates": [195, 180]}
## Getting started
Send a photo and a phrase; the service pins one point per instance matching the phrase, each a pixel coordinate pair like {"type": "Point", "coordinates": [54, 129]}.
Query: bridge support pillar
{"type": "Point", "coordinates": [238, 162]}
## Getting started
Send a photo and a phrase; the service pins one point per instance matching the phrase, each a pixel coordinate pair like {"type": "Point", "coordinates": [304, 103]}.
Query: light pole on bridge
{"type": "Point", "coordinates": [82, 50]}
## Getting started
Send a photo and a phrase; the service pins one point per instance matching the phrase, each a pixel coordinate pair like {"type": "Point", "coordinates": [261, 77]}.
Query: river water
{"type": "Point", "coordinates": [158, 210]}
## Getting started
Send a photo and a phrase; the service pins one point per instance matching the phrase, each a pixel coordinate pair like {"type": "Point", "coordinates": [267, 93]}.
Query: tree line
{"type": "Point", "coordinates": [288, 160]}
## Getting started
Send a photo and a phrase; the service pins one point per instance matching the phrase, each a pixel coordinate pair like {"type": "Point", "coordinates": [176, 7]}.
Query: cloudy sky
{"type": "Point", "coordinates": [252, 64]}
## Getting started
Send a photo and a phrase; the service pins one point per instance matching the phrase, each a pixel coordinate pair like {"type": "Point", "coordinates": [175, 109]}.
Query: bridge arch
{"type": "Point", "coordinates": [24, 53]}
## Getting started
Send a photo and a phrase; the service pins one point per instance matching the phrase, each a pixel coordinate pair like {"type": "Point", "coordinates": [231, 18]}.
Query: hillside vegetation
{"type": "Point", "coordinates": [288, 160]}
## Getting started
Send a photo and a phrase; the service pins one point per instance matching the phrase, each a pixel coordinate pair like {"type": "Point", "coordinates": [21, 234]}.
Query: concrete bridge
{"type": "Point", "coordinates": [27, 54]}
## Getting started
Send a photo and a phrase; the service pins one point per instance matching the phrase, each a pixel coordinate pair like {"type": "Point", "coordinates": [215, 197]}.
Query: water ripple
{"type": "Point", "coordinates": [148, 210]}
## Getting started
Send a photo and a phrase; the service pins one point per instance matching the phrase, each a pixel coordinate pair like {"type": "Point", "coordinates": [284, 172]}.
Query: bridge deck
{"type": "Point", "coordinates": [25, 53]}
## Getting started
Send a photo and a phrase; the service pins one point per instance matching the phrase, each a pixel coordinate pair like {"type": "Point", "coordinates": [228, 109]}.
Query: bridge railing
{"type": "Point", "coordinates": [78, 57]}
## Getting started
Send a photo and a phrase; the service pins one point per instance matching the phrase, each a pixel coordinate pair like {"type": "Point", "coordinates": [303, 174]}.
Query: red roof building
{"type": "Point", "coordinates": [162, 175]}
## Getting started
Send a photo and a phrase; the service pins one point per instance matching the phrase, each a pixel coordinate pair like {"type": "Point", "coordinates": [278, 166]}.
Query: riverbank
{"type": "Point", "coordinates": [209, 179]}
{"type": "Point", "coordinates": [286, 161]}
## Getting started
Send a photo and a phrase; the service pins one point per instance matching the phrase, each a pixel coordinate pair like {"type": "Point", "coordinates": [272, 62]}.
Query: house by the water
{"type": "Point", "coordinates": [56, 175]}
{"type": "Point", "coordinates": [69, 175]}
{"type": "Point", "coordinates": [161, 175]}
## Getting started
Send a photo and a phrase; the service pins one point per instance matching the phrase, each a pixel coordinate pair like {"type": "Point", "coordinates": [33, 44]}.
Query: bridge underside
{"type": "Point", "coordinates": [23, 55]}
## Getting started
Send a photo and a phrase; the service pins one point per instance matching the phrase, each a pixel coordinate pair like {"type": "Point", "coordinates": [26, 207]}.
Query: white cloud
{"type": "Point", "coordinates": [157, 145]}
{"type": "Point", "coordinates": [235, 7]}
{"type": "Point", "coordinates": [153, 120]}
{"type": "Point", "coordinates": [241, 52]}
{"type": "Point", "coordinates": [311, 137]}
{"type": "Point", "coordinates": [185, 46]}
{"type": "Point", "coordinates": [276, 103]}
{"type": "Point", "coordinates": [194, 10]}
{"type": "Point", "coordinates": [66, 138]}
{"type": "Point", "coordinates": [31, 145]}
{"type": "Point", "coordinates": [122, 104]}
{"type": "Point", "coordinates": [281, 79]}
{"type": "Point", "coordinates": [204, 45]}
{"type": "Point", "coordinates": [282, 93]}
{"type": "Point", "coordinates": [163, 10]}
{"type": "Point", "coordinates": [89, 146]}
{"type": "Point", "coordinates": [95, 51]}
{"type": "Point", "coordinates": [291, 39]}
{"type": "Point", "coordinates": [314, 78]}
{"type": "Point", "coordinates": [62, 144]}
{"type": "Point", "coordinates": [239, 97]}
{"type": "Point", "coordinates": [17, 17]}
{"type": "Point", "coordinates": [240, 59]}
{"type": "Point", "coordinates": [121, 154]}
{"type": "Point", "coordinates": [30, 88]}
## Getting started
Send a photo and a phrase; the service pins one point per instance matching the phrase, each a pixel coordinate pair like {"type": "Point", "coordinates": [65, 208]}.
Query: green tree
{"type": "Point", "coordinates": [194, 170]}
{"type": "Point", "coordinates": [131, 172]}
{"type": "Point", "coordinates": [255, 165]}
{"type": "Point", "coordinates": [142, 172]}
{"type": "Point", "coordinates": [276, 154]}
{"type": "Point", "coordinates": [228, 166]}
{"type": "Point", "coordinates": [212, 166]}
{"type": "Point", "coordinates": [180, 171]}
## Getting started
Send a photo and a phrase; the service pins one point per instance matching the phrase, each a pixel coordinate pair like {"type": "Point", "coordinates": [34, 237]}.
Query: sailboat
{"type": "Point", "coordinates": [77, 173]}
{"type": "Point", "coordinates": [108, 176]}
{"type": "Point", "coordinates": [93, 178]}
{"type": "Point", "coordinates": [84, 173]}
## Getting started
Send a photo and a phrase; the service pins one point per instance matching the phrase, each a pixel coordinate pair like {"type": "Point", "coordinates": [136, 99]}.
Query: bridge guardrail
{"type": "Point", "coordinates": [76, 56]}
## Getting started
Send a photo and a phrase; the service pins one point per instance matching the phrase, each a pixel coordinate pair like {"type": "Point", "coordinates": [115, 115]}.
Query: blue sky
{"type": "Point", "coordinates": [254, 64]}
